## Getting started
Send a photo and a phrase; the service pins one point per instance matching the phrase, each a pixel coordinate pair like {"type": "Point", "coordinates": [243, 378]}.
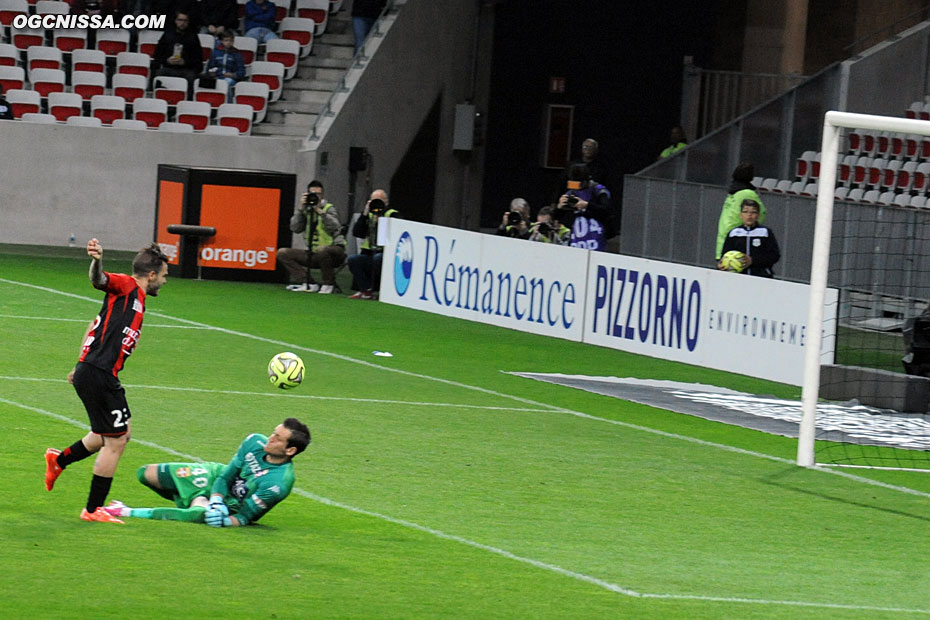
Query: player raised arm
{"type": "Point", "coordinates": [97, 277]}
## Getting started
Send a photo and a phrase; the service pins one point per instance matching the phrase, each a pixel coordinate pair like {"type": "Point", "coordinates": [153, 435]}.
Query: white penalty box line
{"type": "Point", "coordinates": [601, 583]}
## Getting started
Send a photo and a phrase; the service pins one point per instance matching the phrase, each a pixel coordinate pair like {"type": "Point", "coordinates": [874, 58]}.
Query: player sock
{"type": "Point", "coordinates": [189, 515]}
{"type": "Point", "coordinates": [99, 488]}
{"type": "Point", "coordinates": [73, 453]}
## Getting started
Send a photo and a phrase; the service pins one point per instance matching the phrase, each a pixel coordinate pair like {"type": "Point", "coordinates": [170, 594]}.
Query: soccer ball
{"type": "Point", "coordinates": [731, 261]}
{"type": "Point", "coordinates": [286, 370]}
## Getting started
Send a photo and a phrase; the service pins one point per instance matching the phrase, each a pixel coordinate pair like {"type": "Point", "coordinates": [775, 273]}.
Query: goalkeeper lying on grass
{"type": "Point", "coordinates": [258, 477]}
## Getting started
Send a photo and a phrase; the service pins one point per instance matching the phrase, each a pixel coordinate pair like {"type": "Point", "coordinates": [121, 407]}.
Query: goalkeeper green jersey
{"type": "Point", "coordinates": [254, 483]}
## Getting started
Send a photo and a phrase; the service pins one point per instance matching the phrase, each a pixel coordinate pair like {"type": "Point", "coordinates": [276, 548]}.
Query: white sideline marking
{"type": "Point", "coordinates": [289, 395]}
{"type": "Point", "coordinates": [45, 318]}
{"type": "Point", "coordinates": [579, 414]}
{"type": "Point", "coordinates": [612, 587]}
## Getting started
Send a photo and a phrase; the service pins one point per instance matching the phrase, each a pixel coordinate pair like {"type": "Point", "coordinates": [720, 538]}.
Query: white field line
{"type": "Point", "coordinates": [579, 414]}
{"type": "Point", "coordinates": [379, 401]}
{"type": "Point", "coordinates": [87, 321]}
{"type": "Point", "coordinates": [612, 587]}
{"type": "Point", "coordinates": [637, 427]}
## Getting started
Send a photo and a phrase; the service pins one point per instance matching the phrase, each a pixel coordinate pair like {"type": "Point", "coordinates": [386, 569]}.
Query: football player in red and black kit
{"type": "Point", "coordinates": [109, 341]}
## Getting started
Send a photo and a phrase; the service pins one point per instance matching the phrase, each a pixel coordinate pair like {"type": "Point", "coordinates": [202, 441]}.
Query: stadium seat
{"type": "Point", "coordinates": [768, 185]}
{"type": "Point", "coordinates": [270, 73]}
{"type": "Point", "coordinates": [248, 47]}
{"type": "Point", "coordinates": [45, 119]}
{"type": "Point", "coordinates": [148, 41]}
{"type": "Point", "coordinates": [9, 55]}
{"type": "Point", "coordinates": [134, 63]}
{"type": "Point", "coordinates": [282, 10]}
{"type": "Point", "coordinates": [128, 123]}
{"type": "Point", "coordinates": [876, 172]}
{"type": "Point", "coordinates": [299, 29]}
{"type": "Point", "coordinates": [317, 10]}
{"type": "Point", "coordinates": [52, 7]}
{"type": "Point", "coordinates": [906, 176]}
{"type": "Point", "coordinates": [175, 127]}
{"type": "Point", "coordinates": [221, 130]}
{"type": "Point", "coordinates": [128, 86]}
{"type": "Point", "coordinates": [918, 201]}
{"type": "Point", "coordinates": [844, 174]}
{"type": "Point", "coordinates": [254, 94]}
{"type": "Point", "coordinates": [84, 121]}
{"type": "Point", "coordinates": [911, 146]}
{"type": "Point", "coordinates": [890, 174]}
{"type": "Point", "coordinates": [194, 113]}
{"type": "Point", "coordinates": [153, 112]}
{"type": "Point", "coordinates": [207, 44]}
{"type": "Point", "coordinates": [88, 83]}
{"type": "Point", "coordinates": [65, 105]}
{"type": "Point", "coordinates": [882, 143]}
{"type": "Point", "coordinates": [902, 200]}
{"type": "Point", "coordinates": [240, 11]}
{"type": "Point", "coordinates": [855, 194]}
{"type": "Point", "coordinates": [41, 57]}
{"type": "Point", "coordinates": [70, 39]}
{"type": "Point", "coordinates": [871, 196]}
{"type": "Point", "coordinates": [810, 189]}
{"type": "Point", "coordinates": [796, 187]}
{"type": "Point", "coordinates": [335, 6]}
{"type": "Point", "coordinates": [9, 9]}
{"type": "Point", "coordinates": [88, 60]}
{"type": "Point", "coordinates": [107, 108]}
{"type": "Point", "coordinates": [47, 81]}
{"type": "Point", "coordinates": [23, 101]}
{"type": "Point", "coordinates": [840, 193]}
{"type": "Point", "coordinates": [921, 178]}
{"type": "Point", "coordinates": [235, 115]}
{"type": "Point", "coordinates": [112, 42]}
{"type": "Point", "coordinates": [860, 171]}
{"type": "Point", "coordinates": [171, 89]}
{"type": "Point", "coordinates": [886, 198]}
{"type": "Point", "coordinates": [24, 38]}
{"type": "Point", "coordinates": [215, 96]}
{"type": "Point", "coordinates": [286, 52]}
{"type": "Point", "coordinates": [804, 166]}
{"type": "Point", "coordinates": [914, 109]}
{"type": "Point", "coordinates": [896, 146]}
{"type": "Point", "coordinates": [12, 77]}
{"type": "Point", "coordinates": [782, 186]}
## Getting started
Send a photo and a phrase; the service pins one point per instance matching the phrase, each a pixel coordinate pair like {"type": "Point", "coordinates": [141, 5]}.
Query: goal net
{"type": "Point", "coordinates": [869, 408]}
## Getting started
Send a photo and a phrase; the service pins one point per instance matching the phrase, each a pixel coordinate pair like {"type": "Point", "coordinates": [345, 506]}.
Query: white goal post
{"type": "Point", "coordinates": [834, 122]}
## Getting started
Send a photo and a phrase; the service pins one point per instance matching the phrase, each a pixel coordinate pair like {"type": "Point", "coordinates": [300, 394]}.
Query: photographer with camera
{"type": "Point", "coordinates": [586, 207]}
{"type": "Point", "coordinates": [366, 266]}
{"type": "Point", "coordinates": [548, 229]}
{"type": "Point", "coordinates": [326, 243]}
{"type": "Point", "coordinates": [516, 222]}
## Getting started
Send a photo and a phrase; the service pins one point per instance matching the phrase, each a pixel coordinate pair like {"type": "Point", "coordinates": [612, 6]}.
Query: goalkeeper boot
{"type": "Point", "coordinates": [117, 508]}
{"type": "Point", "coordinates": [52, 469]}
{"type": "Point", "coordinates": [100, 515]}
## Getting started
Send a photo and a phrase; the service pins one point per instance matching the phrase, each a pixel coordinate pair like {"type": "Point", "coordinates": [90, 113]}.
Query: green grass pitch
{"type": "Point", "coordinates": [436, 487]}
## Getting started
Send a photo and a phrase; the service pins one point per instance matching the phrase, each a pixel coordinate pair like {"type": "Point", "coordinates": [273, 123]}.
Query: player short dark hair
{"type": "Point", "coordinates": [147, 260]}
{"type": "Point", "coordinates": [749, 202]}
{"type": "Point", "coordinates": [300, 434]}
{"type": "Point", "coordinates": [315, 183]}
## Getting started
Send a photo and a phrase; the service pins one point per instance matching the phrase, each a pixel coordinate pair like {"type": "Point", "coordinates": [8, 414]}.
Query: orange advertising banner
{"type": "Point", "coordinates": [170, 203]}
{"type": "Point", "coordinates": [246, 222]}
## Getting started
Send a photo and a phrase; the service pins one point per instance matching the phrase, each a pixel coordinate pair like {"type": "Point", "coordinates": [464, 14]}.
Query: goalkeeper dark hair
{"type": "Point", "coordinates": [300, 435]}
{"type": "Point", "coordinates": [147, 260]}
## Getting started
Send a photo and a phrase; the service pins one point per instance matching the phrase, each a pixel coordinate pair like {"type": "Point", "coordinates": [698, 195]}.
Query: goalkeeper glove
{"type": "Point", "coordinates": [217, 505]}
{"type": "Point", "coordinates": [215, 518]}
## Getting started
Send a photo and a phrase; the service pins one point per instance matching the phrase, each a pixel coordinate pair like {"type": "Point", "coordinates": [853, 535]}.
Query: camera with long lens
{"type": "Point", "coordinates": [377, 206]}
{"type": "Point", "coordinates": [313, 199]}
{"type": "Point", "coordinates": [571, 201]}
{"type": "Point", "coordinates": [543, 228]}
{"type": "Point", "coordinates": [514, 218]}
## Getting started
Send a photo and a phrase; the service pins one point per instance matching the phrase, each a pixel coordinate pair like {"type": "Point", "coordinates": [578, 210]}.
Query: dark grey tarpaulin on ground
{"type": "Point", "coordinates": [849, 422]}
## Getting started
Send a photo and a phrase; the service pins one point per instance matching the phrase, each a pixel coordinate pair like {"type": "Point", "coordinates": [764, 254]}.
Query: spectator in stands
{"type": "Point", "coordinates": [589, 157]}
{"type": "Point", "coordinates": [326, 243]}
{"type": "Point", "coordinates": [94, 7]}
{"type": "Point", "coordinates": [548, 229]}
{"type": "Point", "coordinates": [260, 21]}
{"type": "Point", "coordinates": [6, 110]}
{"type": "Point", "coordinates": [515, 223]}
{"type": "Point", "coordinates": [218, 16]}
{"type": "Point", "coordinates": [366, 266]}
{"type": "Point", "coordinates": [364, 15]}
{"type": "Point", "coordinates": [586, 204]}
{"type": "Point", "coordinates": [740, 189]}
{"type": "Point", "coordinates": [178, 53]}
{"type": "Point", "coordinates": [226, 62]}
{"type": "Point", "coordinates": [677, 141]}
{"type": "Point", "coordinates": [756, 242]}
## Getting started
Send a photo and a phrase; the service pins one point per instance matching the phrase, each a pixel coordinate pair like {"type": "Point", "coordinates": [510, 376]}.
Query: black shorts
{"type": "Point", "coordinates": [104, 398]}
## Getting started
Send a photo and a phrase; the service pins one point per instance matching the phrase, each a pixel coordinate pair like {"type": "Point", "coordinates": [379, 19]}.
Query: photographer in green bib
{"type": "Point", "coordinates": [366, 266]}
{"type": "Point", "coordinates": [319, 222]}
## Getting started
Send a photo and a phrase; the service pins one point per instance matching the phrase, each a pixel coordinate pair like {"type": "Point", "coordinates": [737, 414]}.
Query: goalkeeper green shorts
{"type": "Point", "coordinates": [188, 480]}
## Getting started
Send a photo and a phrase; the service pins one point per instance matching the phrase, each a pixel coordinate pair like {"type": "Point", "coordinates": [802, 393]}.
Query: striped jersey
{"type": "Point", "coordinates": [115, 331]}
